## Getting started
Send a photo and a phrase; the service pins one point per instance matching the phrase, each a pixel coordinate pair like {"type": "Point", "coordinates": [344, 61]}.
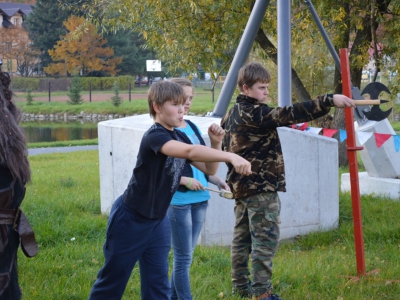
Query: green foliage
{"type": "Point", "coordinates": [29, 98]}
{"type": "Point", "coordinates": [45, 26]}
{"type": "Point", "coordinates": [116, 100]}
{"type": "Point", "coordinates": [106, 83]}
{"type": "Point", "coordinates": [63, 207]}
{"type": "Point", "coordinates": [74, 92]}
{"type": "Point", "coordinates": [23, 84]}
{"type": "Point", "coordinates": [131, 47]}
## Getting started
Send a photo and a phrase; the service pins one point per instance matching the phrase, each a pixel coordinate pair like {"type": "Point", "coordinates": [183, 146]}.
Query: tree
{"type": "Point", "coordinates": [29, 97]}
{"type": "Point", "coordinates": [15, 44]}
{"type": "Point", "coordinates": [131, 47]}
{"type": "Point", "coordinates": [186, 33]}
{"type": "Point", "coordinates": [116, 99]}
{"type": "Point", "coordinates": [45, 27]}
{"type": "Point", "coordinates": [74, 92]}
{"type": "Point", "coordinates": [81, 50]}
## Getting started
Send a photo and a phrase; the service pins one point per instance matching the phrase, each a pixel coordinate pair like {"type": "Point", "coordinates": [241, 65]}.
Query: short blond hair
{"type": "Point", "coordinates": [181, 81]}
{"type": "Point", "coordinates": [163, 91]}
{"type": "Point", "coordinates": [252, 73]}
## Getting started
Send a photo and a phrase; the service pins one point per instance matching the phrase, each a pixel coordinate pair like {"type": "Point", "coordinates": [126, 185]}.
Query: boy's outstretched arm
{"type": "Point", "coordinates": [342, 101]}
{"type": "Point", "coordinates": [204, 158]}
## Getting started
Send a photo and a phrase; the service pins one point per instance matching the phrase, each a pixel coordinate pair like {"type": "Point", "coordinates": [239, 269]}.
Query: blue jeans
{"type": "Point", "coordinates": [186, 223]}
{"type": "Point", "coordinates": [132, 237]}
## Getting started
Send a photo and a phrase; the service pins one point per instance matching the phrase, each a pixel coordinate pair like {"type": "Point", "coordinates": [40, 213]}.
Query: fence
{"type": "Point", "coordinates": [22, 84]}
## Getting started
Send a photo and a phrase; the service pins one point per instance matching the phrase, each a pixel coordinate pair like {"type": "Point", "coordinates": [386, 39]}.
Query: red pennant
{"type": "Point", "coordinates": [328, 132]}
{"type": "Point", "coordinates": [294, 126]}
{"type": "Point", "coordinates": [303, 126]}
{"type": "Point", "coordinates": [381, 138]}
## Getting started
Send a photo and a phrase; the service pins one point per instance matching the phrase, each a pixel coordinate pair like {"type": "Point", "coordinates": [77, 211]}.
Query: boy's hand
{"type": "Point", "coordinates": [342, 101]}
{"type": "Point", "coordinates": [241, 165]}
{"type": "Point", "coordinates": [216, 133]}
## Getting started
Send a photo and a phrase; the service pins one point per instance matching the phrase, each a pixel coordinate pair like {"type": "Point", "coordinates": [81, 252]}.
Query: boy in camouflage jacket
{"type": "Point", "coordinates": [251, 132]}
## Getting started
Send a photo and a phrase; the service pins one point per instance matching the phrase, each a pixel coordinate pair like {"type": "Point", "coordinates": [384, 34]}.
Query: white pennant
{"type": "Point", "coordinates": [363, 137]}
{"type": "Point", "coordinates": [314, 130]}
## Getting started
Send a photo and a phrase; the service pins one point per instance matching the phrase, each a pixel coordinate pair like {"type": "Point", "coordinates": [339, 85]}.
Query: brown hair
{"type": "Point", "coordinates": [163, 91]}
{"type": "Point", "coordinates": [13, 150]}
{"type": "Point", "coordinates": [252, 73]}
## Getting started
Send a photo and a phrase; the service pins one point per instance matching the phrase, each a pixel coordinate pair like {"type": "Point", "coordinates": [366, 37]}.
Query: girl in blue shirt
{"type": "Point", "coordinates": [188, 207]}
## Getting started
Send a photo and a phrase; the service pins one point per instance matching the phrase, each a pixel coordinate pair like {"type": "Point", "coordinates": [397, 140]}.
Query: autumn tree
{"type": "Point", "coordinates": [16, 45]}
{"type": "Point", "coordinates": [45, 26]}
{"type": "Point", "coordinates": [82, 51]}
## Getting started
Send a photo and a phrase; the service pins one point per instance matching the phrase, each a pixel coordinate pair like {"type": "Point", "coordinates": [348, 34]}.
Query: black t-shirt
{"type": "Point", "coordinates": [156, 176]}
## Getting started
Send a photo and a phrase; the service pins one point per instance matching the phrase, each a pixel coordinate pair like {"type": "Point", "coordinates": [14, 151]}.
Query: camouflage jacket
{"type": "Point", "coordinates": [251, 132]}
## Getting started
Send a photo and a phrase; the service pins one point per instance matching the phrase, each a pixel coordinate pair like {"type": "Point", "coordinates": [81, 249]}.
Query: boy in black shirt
{"type": "Point", "coordinates": [137, 227]}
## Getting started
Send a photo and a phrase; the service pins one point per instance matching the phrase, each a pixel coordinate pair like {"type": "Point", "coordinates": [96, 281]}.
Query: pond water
{"type": "Point", "coordinates": [36, 132]}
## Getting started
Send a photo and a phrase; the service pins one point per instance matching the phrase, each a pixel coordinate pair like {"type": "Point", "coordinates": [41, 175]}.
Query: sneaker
{"type": "Point", "coordinates": [244, 292]}
{"type": "Point", "coordinates": [266, 296]}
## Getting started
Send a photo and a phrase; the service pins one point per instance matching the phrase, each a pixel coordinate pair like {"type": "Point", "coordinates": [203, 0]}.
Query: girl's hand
{"type": "Point", "coordinates": [216, 133]}
{"type": "Point", "coordinates": [192, 184]}
{"type": "Point", "coordinates": [222, 185]}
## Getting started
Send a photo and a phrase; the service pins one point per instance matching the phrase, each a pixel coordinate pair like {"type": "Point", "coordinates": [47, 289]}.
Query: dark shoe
{"type": "Point", "coordinates": [244, 292]}
{"type": "Point", "coordinates": [266, 296]}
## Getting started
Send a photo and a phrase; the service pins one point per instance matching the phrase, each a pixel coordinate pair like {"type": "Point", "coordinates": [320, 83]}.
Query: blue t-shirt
{"type": "Point", "coordinates": [188, 197]}
{"type": "Point", "coordinates": [156, 176]}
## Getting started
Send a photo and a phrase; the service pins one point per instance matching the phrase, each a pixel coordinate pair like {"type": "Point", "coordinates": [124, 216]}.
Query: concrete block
{"type": "Point", "coordinates": [368, 185]}
{"type": "Point", "coordinates": [381, 162]}
{"type": "Point", "coordinates": [311, 203]}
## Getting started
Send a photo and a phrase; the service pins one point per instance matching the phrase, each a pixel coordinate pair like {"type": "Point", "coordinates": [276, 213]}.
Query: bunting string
{"type": "Point", "coordinates": [363, 137]}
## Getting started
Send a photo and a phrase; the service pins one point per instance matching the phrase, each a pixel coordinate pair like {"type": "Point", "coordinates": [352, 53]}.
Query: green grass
{"type": "Point", "coordinates": [63, 143]}
{"type": "Point", "coordinates": [201, 105]}
{"type": "Point", "coordinates": [63, 206]}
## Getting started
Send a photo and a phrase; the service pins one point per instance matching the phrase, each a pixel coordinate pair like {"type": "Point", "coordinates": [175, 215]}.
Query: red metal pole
{"type": "Point", "coordinates": [353, 165]}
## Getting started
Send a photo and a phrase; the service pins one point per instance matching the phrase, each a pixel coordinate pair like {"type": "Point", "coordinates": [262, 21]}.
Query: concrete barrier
{"type": "Point", "coordinates": [311, 203]}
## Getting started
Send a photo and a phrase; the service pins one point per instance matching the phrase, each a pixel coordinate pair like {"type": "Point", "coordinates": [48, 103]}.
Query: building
{"type": "Point", "coordinates": [13, 36]}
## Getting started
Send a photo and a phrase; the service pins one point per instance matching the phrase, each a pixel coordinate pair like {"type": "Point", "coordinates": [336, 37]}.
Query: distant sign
{"type": "Point", "coordinates": [153, 65]}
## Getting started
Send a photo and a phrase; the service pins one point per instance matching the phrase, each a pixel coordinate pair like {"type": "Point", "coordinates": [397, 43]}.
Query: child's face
{"type": "Point", "coordinates": [169, 115]}
{"type": "Point", "coordinates": [189, 97]}
{"type": "Point", "coordinates": [257, 91]}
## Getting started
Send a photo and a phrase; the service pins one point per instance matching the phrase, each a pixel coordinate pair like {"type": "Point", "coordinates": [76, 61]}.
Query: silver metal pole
{"type": "Point", "coordinates": [284, 54]}
{"type": "Point", "coordinates": [242, 52]}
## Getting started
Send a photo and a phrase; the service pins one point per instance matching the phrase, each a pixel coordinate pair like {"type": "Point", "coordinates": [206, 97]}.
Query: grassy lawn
{"type": "Point", "coordinates": [63, 206]}
{"type": "Point", "coordinates": [201, 105]}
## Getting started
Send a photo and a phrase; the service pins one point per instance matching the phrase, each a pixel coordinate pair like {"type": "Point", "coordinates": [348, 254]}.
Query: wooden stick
{"type": "Point", "coordinates": [223, 193]}
{"type": "Point", "coordinates": [370, 102]}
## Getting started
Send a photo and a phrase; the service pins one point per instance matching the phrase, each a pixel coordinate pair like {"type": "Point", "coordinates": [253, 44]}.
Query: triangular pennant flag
{"type": "Point", "coordinates": [314, 130]}
{"type": "Point", "coordinates": [396, 139]}
{"type": "Point", "coordinates": [363, 137]}
{"type": "Point", "coordinates": [303, 126]}
{"type": "Point", "coordinates": [381, 138]}
{"type": "Point", "coordinates": [343, 135]}
{"type": "Point", "coordinates": [329, 132]}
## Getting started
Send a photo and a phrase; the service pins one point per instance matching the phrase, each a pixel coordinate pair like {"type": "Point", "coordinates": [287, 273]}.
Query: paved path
{"type": "Point", "coordinates": [37, 151]}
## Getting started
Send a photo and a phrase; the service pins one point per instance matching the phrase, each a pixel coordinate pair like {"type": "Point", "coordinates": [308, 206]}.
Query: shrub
{"type": "Point", "coordinates": [116, 99]}
{"type": "Point", "coordinates": [29, 97]}
{"type": "Point", "coordinates": [74, 92]}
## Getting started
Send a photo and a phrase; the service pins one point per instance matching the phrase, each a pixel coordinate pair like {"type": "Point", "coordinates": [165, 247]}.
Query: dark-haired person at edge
{"type": "Point", "coordinates": [14, 175]}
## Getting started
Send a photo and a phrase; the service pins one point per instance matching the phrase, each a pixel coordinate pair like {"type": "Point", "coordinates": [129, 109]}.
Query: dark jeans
{"type": "Point", "coordinates": [132, 237]}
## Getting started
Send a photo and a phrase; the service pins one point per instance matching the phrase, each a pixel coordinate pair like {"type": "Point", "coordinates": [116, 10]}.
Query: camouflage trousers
{"type": "Point", "coordinates": [256, 232]}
